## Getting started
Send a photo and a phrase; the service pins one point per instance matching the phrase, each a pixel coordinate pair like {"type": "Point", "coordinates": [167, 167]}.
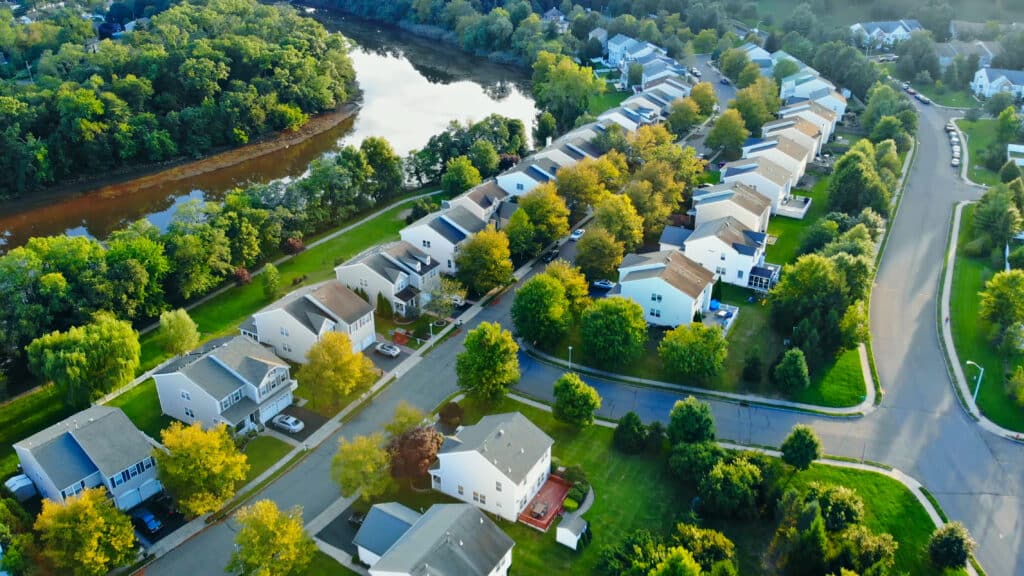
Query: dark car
{"type": "Point", "coordinates": [724, 80]}
{"type": "Point", "coordinates": [145, 521]}
{"type": "Point", "coordinates": [550, 255]}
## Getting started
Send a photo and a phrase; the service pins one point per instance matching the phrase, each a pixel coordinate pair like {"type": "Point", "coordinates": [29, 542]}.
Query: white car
{"type": "Point", "coordinates": [388, 349]}
{"type": "Point", "coordinates": [956, 148]}
{"type": "Point", "coordinates": [603, 284]}
{"type": "Point", "coordinates": [954, 139]}
{"type": "Point", "coordinates": [577, 234]}
{"type": "Point", "coordinates": [289, 424]}
{"type": "Point", "coordinates": [955, 162]}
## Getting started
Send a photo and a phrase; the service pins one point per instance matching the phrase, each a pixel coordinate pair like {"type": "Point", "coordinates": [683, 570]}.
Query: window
{"type": "Point", "coordinates": [720, 270]}
{"type": "Point", "coordinates": [363, 283]}
{"type": "Point", "coordinates": [739, 274]}
{"type": "Point", "coordinates": [284, 331]}
{"type": "Point", "coordinates": [721, 256]}
{"type": "Point", "coordinates": [449, 263]}
{"type": "Point", "coordinates": [519, 185]}
{"type": "Point", "coordinates": [426, 243]}
{"type": "Point", "coordinates": [140, 468]}
{"type": "Point", "coordinates": [461, 491]}
{"type": "Point", "coordinates": [476, 496]}
{"type": "Point", "coordinates": [189, 413]}
{"type": "Point", "coordinates": [236, 396]}
{"type": "Point", "coordinates": [185, 395]}
{"type": "Point", "coordinates": [149, 463]}
{"type": "Point", "coordinates": [483, 498]}
{"type": "Point", "coordinates": [655, 313]}
{"type": "Point", "coordinates": [224, 404]}
{"type": "Point", "coordinates": [655, 297]}
{"type": "Point", "coordinates": [497, 486]}
{"type": "Point", "coordinates": [286, 348]}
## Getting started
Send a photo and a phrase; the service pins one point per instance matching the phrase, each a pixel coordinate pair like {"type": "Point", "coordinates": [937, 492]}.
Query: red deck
{"type": "Point", "coordinates": [552, 493]}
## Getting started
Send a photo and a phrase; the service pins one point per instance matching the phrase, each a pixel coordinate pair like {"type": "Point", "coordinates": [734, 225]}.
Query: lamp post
{"type": "Point", "coordinates": [570, 358]}
{"type": "Point", "coordinates": [981, 373]}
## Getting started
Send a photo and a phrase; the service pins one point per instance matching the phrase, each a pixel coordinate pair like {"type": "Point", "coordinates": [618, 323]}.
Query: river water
{"type": "Point", "coordinates": [412, 88]}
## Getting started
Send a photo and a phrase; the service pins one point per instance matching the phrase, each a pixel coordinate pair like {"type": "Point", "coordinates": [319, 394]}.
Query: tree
{"type": "Point", "coordinates": [563, 87]}
{"type": "Point", "coordinates": [617, 215]}
{"type": "Point", "coordinates": [270, 542]}
{"type": "Point", "coordinates": [333, 370]}
{"type": "Point", "coordinates": [730, 488]}
{"type": "Point", "coordinates": [86, 535]}
{"type": "Point", "coordinates": [801, 447]}
{"type": "Point", "coordinates": [201, 468]}
{"type": "Point", "coordinates": [540, 312]}
{"type": "Point", "coordinates": [841, 507]}
{"type": "Point", "coordinates": [613, 331]}
{"type": "Point", "coordinates": [178, 332]}
{"type": "Point", "coordinates": [690, 421]}
{"type": "Point", "coordinates": [575, 401]}
{"type": "Point", "coordinates": [271, 281]}
{"type": "Point", "coordinates": [489, 363]}
{"type": "Point", "coordinates": [442, 298]}
{"type": "Point", "coordinates": [362, 465]}
{"type": "Point", "coordinates": [691, 463]}
{"type": "Point", "coordinates": [577, 293]}
{"type": "Point", "coordinates": [750, 73]}
{"type": "Point", "coordinates": [459, 175]}
{"type": "Point", "coordinates": [998, 102]}
{"type": "Point", "coordinates": [88, 361]}
{"type": "Point", "coordinates": [598, 254]}
{"type": "Point", "coordinates": [683, 116]}
{"type": "Point", "coordinates": [791, 372]}
{"type": "Point", "coordinates": [732, 62]}
{"type": "Point", "coordinates": [485, 261]}
{"type": "Point", "coordinates": [703, 94]}
{"type": "Point", "coordinates": [1002, 302]}
{"type": "Point", "coordinates": [693, 351]}
{"type": "Point", "coordinates": [635, 74]}
{"type": "Point", "coordinates": [547, 211]}
{"type": "Point", "coordinates": [405, 418]}
{"type": "Point", "coordinates": [414, 451]}
{"type": "Point", "coordinates": [709, 547]}
{"type": "Point", "coordinates": [544, 128]}
{"type": "Point", "coordinates": [581, 185]}
{"type": "Point", "coordinates": [950, 546]}
{"type": "Point", "coordinates": [729, 133]}
{"type": "Point", "coordinates": [677, 562]}
{"type": "Point", "coordinates": [385, 168]}
{"type": "Point", "coordinates": [784, 69]}
{"type": "Point", "coordinates": [1007, 124]}
{"type": "Point", "coordinates": [522, 237]}
{"type": "Point", "coordinates": [630, 435]}
{"type": "Point", "coordinates": [813, 292]}
{"type": "Point", "coordinates": [854, 326]}
{"type": "Point", "coordinates": [1009, 172]}
{"type": "Point", "coordinates": [484, 157]}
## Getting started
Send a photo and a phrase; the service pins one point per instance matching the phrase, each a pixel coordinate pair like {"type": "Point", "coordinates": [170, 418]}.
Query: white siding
{"type": "Point", "coordinates": [794, 167]}
{"type": "Point", "coordinates": [359, 275]}
{"type": "Point", "coordinates": [45, 486]}
{"type": "Point", "coordinates": [515, 183]}
{"type": "Point", "coordinates": [428, 240]}
{"type": "Point", "coordinates": [715, 256]}
{"type": "Point", "coordinates": [204, 407]}
{"type": "Point", "coordinates": [475, 474]}
{"type": "Point", "coordinates": [674, 308]}
{"type": "Point", "coordinates": [289, 338]}
{"type": "Point", "coordinates": [771, 190]}
{"type": "Point", "coordinates": [367, 557]}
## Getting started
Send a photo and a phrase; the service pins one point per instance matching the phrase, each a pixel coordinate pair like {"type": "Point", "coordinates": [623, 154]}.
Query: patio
{"type": "Point", "coordinates": [794, 207]}
{"type": "Point", "coordinates": [541, 512]}
{"type": "Point", "coordinates": [721, 315]}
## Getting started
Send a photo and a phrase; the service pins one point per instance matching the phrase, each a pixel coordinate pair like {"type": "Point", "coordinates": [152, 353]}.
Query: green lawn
{"type": "Point", "coordinates": [142, 405]}
{"type": "Point", "coordinates": [610, 99]}
{"type": "Point", "coordinates": [324, 565]}
{"type": "Point", "coordinates": [970, 332]}
{"type": "Point", "coordinates": [838, 384]}
{"type": "Point", "coordinates": [263, 451]}
{"type": "Point", "coordinates": [980, 135]}
{"type": "Point", "coordinates": [952, 98]}
{"type": "Point", "coordinates": [790, 232]}
{"type": "Point", "coordinates": [420, 327]}
{"type": "Point", "coordinates": [24, 417]}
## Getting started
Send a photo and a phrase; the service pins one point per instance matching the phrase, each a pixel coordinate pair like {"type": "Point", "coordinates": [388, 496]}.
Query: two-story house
{"type": "Point", "coordinates": [482, 200]}
{"type": "Point", "coordinates": [766, 177]}
{"type": "Point", "coordinates": [669, 286]}
{"type": "Point", "coordinates": [498, 464]}
{"type": "Point", "coordinates": [293, 324]}
{"type": "Point", "coordinates": [886, 33]}
{"type": "Point", "coordinates": [824, 118]}
{"type": "Point", "coordinates": [990, 81]}
{"type": "Point", "coordinates": [797, 129]}
{"type": "Point", "coordinates": [446, 540]}
{"type": "Point", "coordinates": [727, 248]}
{"type": "Point", "coordinates": [808, 85]}
{"type": "Point", "coordinates": [401, 272]}
{"type": "Point", "coordinates": [781, 150]}
{"type": "Point", "coordinates": [748, 206]}
{"type": "Point", "coordinates": [441, 234]}
{"type": "Point", "coordinates": [98, 446]}
{"type": "Point", "coordinates": [238, 383]}
{"type": "Point", "coordinates": [759, 56]}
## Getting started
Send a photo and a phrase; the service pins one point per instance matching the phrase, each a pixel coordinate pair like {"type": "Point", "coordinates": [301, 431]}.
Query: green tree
{"type": "Point", "coordinates": [683, 116]}
{"type": "Point", "coordinates": [362, 465]}
{"type": "Point", "coordinates": [385, 168]}
{"type": "Point", "coordinates": [854, 326]}
{"type": "Point", "coordinates": [691, 463]}
{"type": "Point", "coordinates": [178, 332]}
{"type": "Point", "coordinates": [442, 298]}
{"type": "Point", "coordinates": [1007, 124]}
{"type": "Point", "coordinates": [617, 215]}
{"type": "Point", "coordinates": [709, 547]}
{"type": "Point", "coordinates": [484, 157]}
{"type": "Point", "coordinates": [333, 370]}
{"type": "Point", "coordinates": [997, 217]}
{"type": "Point", "coordinates": [201, 469]}
{"type": "Point", "coordinates": [575, 401]}
{"type": "Point", "coordinates": [732, 62]}
{"type": "Point", "coordinates": [86, 535]}
{"type": "Point", "coordinates": [784, 69]}
{"type": "Point", "coordinates": [522, 234]}
{"type": "Point", "coordinates": [811, 293]}
{"type": "Point", "coordinates": [545, 127]}
{"type": "Point", "coordinates": [271, 281]}
{"type": "Point", "coordinates": [950, 546]}
{"type": "Point", "coordinates": [489, 363]}
{"type": "Point", "coordinates": [598, 254]}
{"type": "Point", "coordinates": [459, 175]}
{"type": "Point", "coordinates": [841, 507]}
{"type": "Point", "coordinates": [635, 74]}
{"type": "Point", "coordinates": [88, 361]}
{"type": "Point", "coordinates": [690, 421]}
{"type": "Point", "coordinates": [998, 102]}
{"type": "Point", "coordinates": [791, 372]}
{"type": "Point", "coordinates": [1002, 302]}
{"type": "Point", "coordinates": [540, 312]}
{"type": "Point", "coordinates": [547, 212]}
{"type": "Point", "coordinates": [801, 447]}
{"type": "Point", "coordinates": [563, 87]}
{"type": "Point", "coordinates": [729, 133]}
{"type": "Point", "coordinates": [630, 434]}
{"type": "Point", "coordinates": [485, 261]}
{"type": "Point", "coordinates": [693, 351]}
{"type": "Point", "coordinates": [730, 488]}
{"type": "Point", "coordinates": [406, 417]}
{"type": "Point", "coordinates": [577, 293]}
{"type": "Point", "coordinates": [855, 184]}
{"type": "Point", "coordinates": [270, 542]}
{"type": "Point", "coordinates": [1010, 172]}
{"type": "Point", "coordinates": [677, 562]}
{"type": "Point", "coordinates": [703, 94]}
{"type": "Point", "coordinates": [750, 73]}
{"type": "Point", "coordinates": [614, 331]}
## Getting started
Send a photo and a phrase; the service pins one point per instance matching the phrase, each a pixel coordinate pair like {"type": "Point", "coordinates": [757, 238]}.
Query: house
{"type": "Point", "coordinates": [668, 88]}
{"type": "Point", "coordinates": [781, 55]}
{"type": "Point", "coordinates": [990, 81]}
{"type": "Point", "coordinates": [759, 56]}
{"type": "Point", "coordinates": [293, 324]}
{"type": "Point", "coordinates": [403, 274]}
{"type": "Point", "coordinates": [601, 35]}
{"type": "Point", "coordinates": [814, 113]}
{"type": "Point", "coordinates": [1015, 152]}
{"type": "Point", "coordinates": [482, 200]}
{"type": "Point", "coordinates": [781, 150]}
{"type": "Point", "coordinates": [98, 446]}
{"type": "Point", "coordinates": [835, 101]}
{"type": "Point", "coordinates": [673, 238]}
{"type": "Point", "coordinates": [441, 234]}
{"type": "Point", "coordinates": [887, 33]}
{"type": "Point", "coordinates": [660, 67]}
{"type": "Point", "coordinates": [498, 464]}
{"type": "Point", "coordinates": [803, 132]}
{"type": "Point", "coordinates": [964, 30]}
{"type": "Point", "coordinates": [805, 84]}
{"type": "Point", "coordinates": [751, 208]}
{"type": "Point", "coordinates": [239, 383]}
{"type": "Point", "coordinates": [766, 177]}
{"type": "Point", "coordinates": [985, 51]}
{"type": "Point", "coordinates": [555, 17]}
{"type": "Point", "coordinates": [623, 50]}
{"type": "Point", "coordinates": [527, 175]}
{"type": "Point", "coordinates": [669, 286]}
{"type": "Point", "coordinates": [727, 248]}
{"type": "Point", "coordinates": [447, 540]}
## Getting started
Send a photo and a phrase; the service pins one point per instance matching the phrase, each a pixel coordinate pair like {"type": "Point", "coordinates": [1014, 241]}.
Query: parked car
{"type": "Point", "coordinates": [577, 234]}
{"type": "Point", "coordinates": [388, 349]}
{"type": "Point", "coordinates": [911, 91]}
{"type": "Point", "coordinates": [457, 300]}
{"type": "Point", "coordinates": [906, 85]}
{"type": "Point", "coordinates": [604, 284]}
{"type": "Point", "coordinates": [289, 424]}
{"type": "Point", "coordinates": [724, 81]}
{"type": "Point", "coordinates": [695, 72]}
{"type": "Point", "coordinates": [923, 99]}
{"type": "Point", "coordinates": [550, 255]}
{"type": "Point", "coordinates": [145, 521]}
{"type": "Point", "coordinates": [956, 148]}
{"type": "Point", "coordinates": [950, 127]}
{"type": "Point", "coordinates": [955, 162]}
{"type": "Point", "coordinates": [956, 155]}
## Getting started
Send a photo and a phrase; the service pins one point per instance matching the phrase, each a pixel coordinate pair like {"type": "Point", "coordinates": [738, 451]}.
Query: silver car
{"type": "Point", "coordinates": [388, 349]}
{"type": "Point", "coordinates": [289, 424]}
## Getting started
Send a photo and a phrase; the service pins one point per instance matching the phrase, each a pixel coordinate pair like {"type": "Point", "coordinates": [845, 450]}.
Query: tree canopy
{"type": "Point", "coordinates": [362, 464]}
{"type": "Point", "coordinates": [575, 401]}
{"type": "Point", "coordinates": [540, 312]}
{"type": "Point", "coordinates": [693, 351]}
{"type": "Point", "coordinates": [201, 468]}
{"type": "Point", "coordinates": [270, 542]}
{"type": "Point", "coordinates": [489, 364]}
{"type": "Point", "coordinates": [86, 535]}
{"type": "Point", "coordinates": [333, 370]}
{"type": "Point", "coordinates": [485, 261]}
{"type": "Point", "coordinates": [614, 331]}
{"type": "Point", "coordinates": [690, 421]}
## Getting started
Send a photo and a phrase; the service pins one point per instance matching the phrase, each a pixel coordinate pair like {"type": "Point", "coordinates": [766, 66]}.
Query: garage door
{"type": "Point", "coordinates": [272, 408]}
{"type": "Point", "coordinates": [149, 489]}
{"type": "Point", "coordinates": [129, 499]}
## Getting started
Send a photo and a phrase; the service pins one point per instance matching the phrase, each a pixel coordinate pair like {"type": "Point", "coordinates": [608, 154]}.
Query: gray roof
{"type": "Point", "coordinates": [672, 266]}
{"type": "Point", "coordinates": [449, 540]}
{"type": "Point", "coordinates": [384, 525]}
{"type": "Point", "coordinates": [447, 230]}
{"type": "Point", "coordinates": [509, 441]}
{"type": "Point", "coordinates": [463, 218]}
{"type": "Point", "coordinates": [575, 524]}
{"type": "Point", "coordinates": [215, 371]}
{"type": "Point", "coordinates": [240, 410]}
{"type": "Point", "coordinates": [674, 235]}
{"type": "Point", "coordinates": [330, 300]}
{"type": "Point", "coordinates": [98, 438]}
{"type": "Point", "coordinates": [1016, 77]}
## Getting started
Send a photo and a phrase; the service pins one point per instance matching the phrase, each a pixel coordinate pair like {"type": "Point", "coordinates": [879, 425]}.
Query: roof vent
{"type": "Point", "coordinates": [522, 450]}
{"type": "Point", "coordinates": [501, 433]}
{"type": "Point", "coordinates": [460, 542]}
{"type": "Point", "coordinates": [481, 519]}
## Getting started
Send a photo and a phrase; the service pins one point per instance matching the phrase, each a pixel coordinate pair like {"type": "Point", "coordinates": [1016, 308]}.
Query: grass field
{"type": "Point", "coordinates": [610, 99]}
{"type": "Point", "coordinates": [790, 232]}
{"type": "Point", "coordinates": [262, 452]}
{"type": "Point", "coordinates": [970, 332]}
{"type": "Point", "coordinates": [952, 98]}
{"type": "Point", "coordinates": [24, 417]}
{"type": "Point", "coordinates": [980, 135]}
{"type": "Point", "coordinates": [142, 405]}
{"type": "Point", "coordinates": [324, 565]}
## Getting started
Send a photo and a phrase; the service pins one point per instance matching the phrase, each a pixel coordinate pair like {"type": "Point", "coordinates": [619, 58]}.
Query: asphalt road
{"type": "Point", "coordinates": [919, 427]}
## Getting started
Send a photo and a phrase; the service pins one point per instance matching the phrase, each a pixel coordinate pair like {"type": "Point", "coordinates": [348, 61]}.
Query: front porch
{"type": "Point", "coordinates": [794, 207]}
{"type": "Point", "coordinates": [406, 302]}
{"type": "Point", "coordinates": [541, 512]}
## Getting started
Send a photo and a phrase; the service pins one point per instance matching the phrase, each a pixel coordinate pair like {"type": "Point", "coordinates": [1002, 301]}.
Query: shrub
{"type": "Point", "coordinates": [293, 245]}
{"type": "Point", "coordinates": [950, 546]}
{"type": "Point", "coordinates": [570, 505]}
{"type": "Point", "coordinates": [691, 463]}
{"type": "Point", "coordinates": [574, 474]}
{"type": "Point", "coordinates": [791, 372]}
{"type": "Point", "coordinates": [579, 491]}
{"type": "Point", "coordinates": [630, 435]}
{"type": "Point", "coordinates": [451, 414]}
{"type": "Point", "coordinates": [1015, 386]}
{"type": "Point", "coordinates": [975, 248]}
{"type": "Point", "coordinates": [241, 275]}
{"type": "Point", "coordinates": [973, 114]}
{"type": "Point", "coordinates": [655, 437]}
{"type": "Point", "coordinates": [840, 506]}
{"type": "Point", "coordinates": [731, 488]}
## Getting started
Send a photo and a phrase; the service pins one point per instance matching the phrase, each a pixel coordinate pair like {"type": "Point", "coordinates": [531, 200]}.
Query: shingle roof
{"type": "Point", "coordinates": [761, 165]}
{"type": "Point", "coordinates": [215, 371]}
{"type": "Point", "coordinates": [730, 231]}
{"type": "Point", "coordinates": [509, 441]}
{"type": "Point", "coordinates": [619, 40]}
{"type": "Point", "coordinates": [447, 230]}
{"type": "Point", "coordinates": [674, 235]}
{"type": "Point", "coordinates": [1015, 77]}
{"type": "Point", "coordinates": [463, 218]}
{"type": "Point", "coordinates": [449, 540]}
{"type": "Point", "coordinates": [411, 257]}
{"type": "Point", "coordinates": [791, 148]}
{"type": "Point", "coordinates": [487, 194]}
{"type": "Point", "coordinates": [739, 193]}
{"type": "Point", "coordinates": [671, 266]}
{"type": "Point", "coordinates": [384, 524]}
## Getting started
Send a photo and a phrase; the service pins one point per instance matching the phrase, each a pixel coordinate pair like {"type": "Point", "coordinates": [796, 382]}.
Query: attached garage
{"type": "Point", "coordinates": [274, 406]}
{"type": "Point", "coordinates": [150, 489]}
{"type": "Point", "coordinates": [129, 499]}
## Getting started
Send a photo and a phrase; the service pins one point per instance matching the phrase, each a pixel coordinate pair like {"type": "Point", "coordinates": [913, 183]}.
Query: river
{"type": "Point", "coordinates": [412, 88]}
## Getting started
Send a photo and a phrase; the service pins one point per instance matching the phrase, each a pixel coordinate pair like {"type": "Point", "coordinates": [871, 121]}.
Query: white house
{"type": "Point", "coordinates": [673, 238]}
{"type": "Point", "coordinates": [601, 35]}
{"type": "Point", "coordinates": [402, 273]}
{"type": "Point", "coordinates": [834, 101]}
{"type": "Point", "coordinates": [527, 175]}
{"type": "Point", "coordinates": [985, 51]}
{"type": "Point", "coordinates": [801, 131]}
{"type": "Point", "coordinates": [447, 540]}
{"type": "Point", "coordinates": [781, 150]}
{"type": "Point", "coordinates": [669, 286]}
{"type": "Point", "coordinates": [727, 248]}
{"type": "Point", "coordinates": [885, 33]}
{"type": "Point", "coordinates": [759, 56]}
{"type": "Point", "coordinates": [238, 383]}
{"type": "Point", "coordinates": [824, 118]}
{"type": "Point", "coordinates": [293, 324]}
{"type": "Point", "coordinates": [626, 118]}
{"type": "Point", "coordinates": [482, 200]}
{"type": "Point", "coordinates": [1015, 152]}
{"type": "Point", "coordinates": [98, 446]}
{"type": "Point", "coordinates": [623, 51]}
{"type": "Point", "coordinates": [661, 67]}
{"type": "Point", "coordinates": [781, 55]}
{"type": "Point", "coordinates": [668, 88]}
{"type": "Point", "coordinates": [990, 81]}
{"type": "Point", "coordinates": [498, 464]}
{"type": "Point", "coordinates": [441, 234]}
{"type": "Point", "coordinates": [766, 177]}
{"type": "Point", "coordinates": [751, 208]}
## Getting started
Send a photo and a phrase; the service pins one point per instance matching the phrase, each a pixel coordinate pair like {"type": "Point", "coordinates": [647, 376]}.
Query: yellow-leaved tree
{"type": "Point", "coordinates": [333, 370]}
{"type": "Point", "coordinates": [270, 542]}
{"type": "Point", "coordinates": [201, 468]}
{"type": "Point", "coordinates": [86, 535]}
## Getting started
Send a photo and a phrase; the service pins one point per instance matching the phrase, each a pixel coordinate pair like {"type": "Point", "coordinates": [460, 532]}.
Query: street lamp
{"type": "Point", "coordinates": [570, 358]}
{"type": "Point", "coordinates": [981, 372]}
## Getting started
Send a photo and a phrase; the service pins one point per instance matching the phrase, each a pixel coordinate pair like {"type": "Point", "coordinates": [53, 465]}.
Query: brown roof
{"type": "Point", "coordinates": [765, 167]}
{"type": "Point", "coordinates": [822, 111]}
{"type": "Point", "coordinates": [676, 269]}
{"type": "Point", "coordinates": [487, 194]}
{"type": "Point", "coordinates": [838, 96]}
{"type": "Point", "coordinates": [728, 230]}
{"type": "Point", "coordinates": [797, 122]}
{"type": "Point", "coordinates": [791, 147]}
{"type": "Point", "coordinates": [749, 199]}
{"type": "Point", "coordinates": [342, 301]}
